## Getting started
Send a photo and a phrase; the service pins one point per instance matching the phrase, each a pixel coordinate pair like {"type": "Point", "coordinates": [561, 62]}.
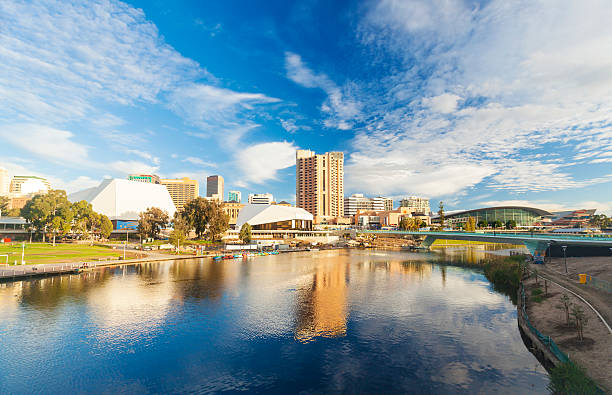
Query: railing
{"type": "Point", "coordinates": [547, 340]}
{"type": "Point", "coordinates": [518, 235]}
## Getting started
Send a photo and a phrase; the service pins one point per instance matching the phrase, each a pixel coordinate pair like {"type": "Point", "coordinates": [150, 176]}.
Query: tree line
{"type": "Point", "coordinates": [53, 213]}
{"type": "Point", "coordinates": [206, 218]}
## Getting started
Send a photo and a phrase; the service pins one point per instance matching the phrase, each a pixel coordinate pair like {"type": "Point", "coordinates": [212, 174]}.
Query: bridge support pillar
{"type": "Point", "coordinates": [537, 249]}
{"type": "Point", "coordinates": [428, 241]}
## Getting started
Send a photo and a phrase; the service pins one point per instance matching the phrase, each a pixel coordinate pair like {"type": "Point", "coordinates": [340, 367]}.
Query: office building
{"type": "Point", "coordinates": [123, 200]}
{"type": "Point", "coordinates": [5, 182]}
{"type": "Point", "coordinates": [261, 198]}
{"type": "Point", "coordinates": [28, 185]}
{"type": "Point", "coordinates": [357, 202]}
{"type": "Point", "coordinates": [416, 204]}
{"type": "Point", "coordinates": [150, 178]}
{"type": "Point", "coordinates": [319, 186]}
{"type": "Point", "coordinates": [234, 196]}
{"type": "Point", "coordinates": [232, 209]}
{"type": "Point", "coordinates": [214, 186]}
{"type": "Point", "coordinates": [181, 190]}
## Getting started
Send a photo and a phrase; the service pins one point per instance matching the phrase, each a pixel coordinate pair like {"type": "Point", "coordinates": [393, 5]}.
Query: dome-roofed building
{"type": "Point", "coordinates": [523, 216]}
{"type": "Point", "coordinates": [124, 200]}
{"type": "Point", "coordinates": [274, 217]}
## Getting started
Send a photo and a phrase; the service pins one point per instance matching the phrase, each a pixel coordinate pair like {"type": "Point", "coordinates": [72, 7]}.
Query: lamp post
{"type": "Point", "coordinates": [547, 252]}
{"type": "Point", "coordinates": [565, 257]}
{"type": "Point", "coordinates": [125, 245]}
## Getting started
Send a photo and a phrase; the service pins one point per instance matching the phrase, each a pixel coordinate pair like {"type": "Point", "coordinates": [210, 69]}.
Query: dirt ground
{"type": "Point", "coordinates": [599, 266]}
{"type": "Point", "coordinates": [594, 352]}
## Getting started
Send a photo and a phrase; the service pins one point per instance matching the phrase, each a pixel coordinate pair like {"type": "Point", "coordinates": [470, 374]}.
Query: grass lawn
{"type": "Point", "coordinates": [61, 253]}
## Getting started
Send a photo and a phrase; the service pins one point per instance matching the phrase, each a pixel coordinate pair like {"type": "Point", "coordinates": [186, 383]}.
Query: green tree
{"type": "Point", "coordinates": [470, 225]}
{"type": "Point", "coordinates": [197, 213]}
{"type": "Point", "coordinates": [510, 224]}
{"type": "Point", "coordinates": [218, 223]}
{"type": "Point", "coordinates": [483, 223]}
{"type": "Point", "coordinates": [41, 210]}
{"type": "Point", "coordinates": [82, 212]}
{"type": "Point", "coordinates": [106, 226]}
{"type": "Point", "coordinates": [441, 214]}
{"type": "Point", "coordinates": [497, 224]}
{"type": "Point", "coordinates": [179, 232]}
{"type": "Point", "coordinates": [151, 222]}
{"type": "Point", "coordinates": [4, 202]}
{"type": "Point", "coordinates": [581, 320]}
{"type": "Point", "coordinates": [245, 233]}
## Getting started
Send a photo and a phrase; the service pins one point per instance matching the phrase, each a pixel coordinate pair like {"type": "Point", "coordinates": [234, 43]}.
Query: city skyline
{"type": "Point", "coordinates": [453, 106]}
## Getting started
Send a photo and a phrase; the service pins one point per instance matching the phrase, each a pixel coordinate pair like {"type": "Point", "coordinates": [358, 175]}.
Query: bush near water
{"type": "Point", "coordinates": [505, 275]}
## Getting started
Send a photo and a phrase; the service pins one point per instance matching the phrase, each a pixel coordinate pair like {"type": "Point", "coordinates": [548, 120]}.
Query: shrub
{"type": "Point", "coordinates": [569, 378]}
{"type": "Point", "coordinates": [537, 291]}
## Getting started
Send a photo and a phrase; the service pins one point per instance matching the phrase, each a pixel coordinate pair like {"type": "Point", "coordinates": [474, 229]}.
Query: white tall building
{"type": "Point", "coordinates": [359, 202]}
{"type": "Point", "coordinates": [26, 185]}
{"type": "Point", "coordinates": [5, 182]}
{"type": "Point", "coordinates": [260, 198]}
{"type": "Point", "coordinates": [416, 204]}
{"type": "Point", "coordinates": [124, 200]}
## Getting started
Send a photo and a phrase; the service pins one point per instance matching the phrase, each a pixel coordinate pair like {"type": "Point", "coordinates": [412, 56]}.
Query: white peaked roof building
{"type": "Point", "coordinates": [120, 199]}
{"type": "Point", "coordinates": [266, 216]}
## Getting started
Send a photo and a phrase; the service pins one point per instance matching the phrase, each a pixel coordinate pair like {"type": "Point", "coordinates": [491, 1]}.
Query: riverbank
{"type": "Point", "coordinates": [544, 306]}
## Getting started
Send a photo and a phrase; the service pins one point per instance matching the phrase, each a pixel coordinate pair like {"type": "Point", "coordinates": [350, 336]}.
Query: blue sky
{"type": "Point", "coordinates": [473, 103]}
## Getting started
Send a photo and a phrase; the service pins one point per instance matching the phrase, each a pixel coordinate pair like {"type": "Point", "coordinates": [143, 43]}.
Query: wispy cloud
{"type": "Point", "coordinates": [483, 96]}
{"type": "Point", "coordinates": [198, 162]}
{"type": "Point", "coordinates": [341, 107]}
{"type": "Point", "coordinates": [261, 162]}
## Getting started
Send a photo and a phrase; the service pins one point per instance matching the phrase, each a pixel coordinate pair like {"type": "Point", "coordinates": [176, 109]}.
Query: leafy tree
{"type": "Point", "coordinates": [482, 224]}
{"type": "Point", "coordinates": [497, 224]}
{"type": "Point", "coordinates": [441, 214]}
{"type": "Point", "coordinates": [106, 226]}
{"type": "Point", "coordinates": [600, 221]}
{"type": "Point", "coordinates": [196, 214]}
{"type": "Point", "coordinates": [4, 201]}
{"type": "Point", "coordinates": [41, 210]}
{"type": "Point", "coordinates": [565, 306]}
{"type": "Point", "coordinates": [151, 222]}
{"type": "Point", "coordinates": [82, 212]}
{"type": "Point", "coordinates": [581, 320]}
{"type": "Point", "coordinates": [218, 223]}
{"type": "Point", "coordinates": [245, 233]}
{"type": "Point", "coordinates": [180, 231]}
{"type": "Point", "coordinates": [470, 225]}
{"type": "Point", "coordinates": [510, 224]}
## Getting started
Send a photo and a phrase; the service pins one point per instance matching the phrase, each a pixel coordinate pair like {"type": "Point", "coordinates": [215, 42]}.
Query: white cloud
{"type": "Point", "coordinates": [341, 106]}
{"type": "Point", "coordinates": [128, 167]}
{"type": "Point", "coordinates": [261, 162]}
{"type": "Point", "coordinates": [499, 91]}
{"type": "Point", "coordinates": [45, 142]}
{"type": "Point", "coordinates": [198, 162]}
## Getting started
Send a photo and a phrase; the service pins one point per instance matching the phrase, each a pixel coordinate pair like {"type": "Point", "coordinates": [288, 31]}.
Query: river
{"type": "Point", "coordinates": [319, 322]}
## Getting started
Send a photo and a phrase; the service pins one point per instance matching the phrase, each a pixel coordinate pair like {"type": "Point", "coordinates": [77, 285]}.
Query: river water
{"type": "Point", "coordinates": [318, 322]}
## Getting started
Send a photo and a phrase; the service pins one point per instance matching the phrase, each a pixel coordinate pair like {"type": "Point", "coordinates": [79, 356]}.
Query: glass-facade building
{"type": "Point", "coordinates": [523, 216]}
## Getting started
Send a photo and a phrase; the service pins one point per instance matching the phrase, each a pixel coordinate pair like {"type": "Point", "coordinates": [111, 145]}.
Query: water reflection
{"type": "Point", "coordinates": [332, 321]}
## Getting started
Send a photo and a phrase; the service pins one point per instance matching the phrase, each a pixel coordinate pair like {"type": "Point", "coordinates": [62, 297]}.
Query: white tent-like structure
{"type": "Point", "coordinates": [273, 217]}
{"type": "Point", "coordinates": [124, 199]}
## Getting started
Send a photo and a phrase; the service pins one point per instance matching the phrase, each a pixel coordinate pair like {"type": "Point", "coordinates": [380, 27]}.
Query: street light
{"type": "Point", "coordinates": [565, 257]}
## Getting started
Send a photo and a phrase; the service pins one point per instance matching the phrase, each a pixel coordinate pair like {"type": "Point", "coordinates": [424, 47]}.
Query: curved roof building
{"type": "Point", "coordinates": [274, 217]}
{"type": "Point", "coordinates": [523, 216]}
{"type": "Point", "coordinates": [124, 199]}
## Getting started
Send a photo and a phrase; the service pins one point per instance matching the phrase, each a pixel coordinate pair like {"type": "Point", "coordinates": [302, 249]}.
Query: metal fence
{"type": "Point", "coordinates": [552, 346]}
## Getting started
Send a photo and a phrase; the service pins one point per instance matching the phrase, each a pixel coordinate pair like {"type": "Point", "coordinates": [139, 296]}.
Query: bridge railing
{"type": "Point", "coordinates": [517, 235]}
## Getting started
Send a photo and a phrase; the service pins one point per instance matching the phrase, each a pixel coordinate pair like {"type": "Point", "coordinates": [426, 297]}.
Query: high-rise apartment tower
{"type": "Point", "coordinates": [319, 183]}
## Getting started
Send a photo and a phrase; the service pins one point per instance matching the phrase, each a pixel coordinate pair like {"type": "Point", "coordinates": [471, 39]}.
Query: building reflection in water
{"type": "Point", "coordinates": [322, 305]}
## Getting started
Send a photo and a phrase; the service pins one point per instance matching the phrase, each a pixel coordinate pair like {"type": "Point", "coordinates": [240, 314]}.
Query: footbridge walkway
{"type": "Point", "coordinates": [536, 243]}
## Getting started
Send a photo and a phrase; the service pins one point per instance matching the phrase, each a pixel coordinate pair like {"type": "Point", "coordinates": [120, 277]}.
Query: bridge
{"type": "Point", "coordinates": [536, 243]}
